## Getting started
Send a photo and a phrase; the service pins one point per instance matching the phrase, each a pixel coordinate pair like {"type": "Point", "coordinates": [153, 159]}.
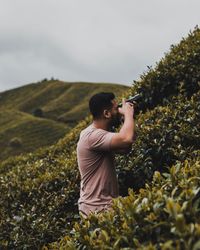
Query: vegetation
{"type": "Point", "coordinates": [159, 179]}
{"type": "Point", "coordinates": [38, 112]}
{"type": "Point", "coordinates": [15, 142]}
{"type": "Point", "coordinates": [176, 73]}
{"type": "Point", "coordinates": [162, 215]}
{"type": "Point", "coordinates": [34, 132]}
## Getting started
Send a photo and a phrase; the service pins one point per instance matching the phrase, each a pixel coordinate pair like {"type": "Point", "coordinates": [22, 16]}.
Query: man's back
{"type": "Point", "coordinates": [99, 182]}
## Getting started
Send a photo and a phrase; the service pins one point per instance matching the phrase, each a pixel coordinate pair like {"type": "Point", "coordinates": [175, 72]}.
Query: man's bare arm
{"type": "Point", "coordinates": [124, 138]}
{"type": "Point", "coordinates": [125, 150]}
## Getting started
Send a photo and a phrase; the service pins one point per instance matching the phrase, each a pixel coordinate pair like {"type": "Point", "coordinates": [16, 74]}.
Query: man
{"type": "Point", "coordinates": [96, 148]}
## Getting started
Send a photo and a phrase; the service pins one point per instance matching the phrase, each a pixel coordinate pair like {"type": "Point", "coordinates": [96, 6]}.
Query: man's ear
{"type": "Point", "coordinates": [106, 113]}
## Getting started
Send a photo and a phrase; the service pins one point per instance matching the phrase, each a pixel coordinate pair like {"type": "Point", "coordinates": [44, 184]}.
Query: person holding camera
{"type": "Point", "coordinates": [96, 149]}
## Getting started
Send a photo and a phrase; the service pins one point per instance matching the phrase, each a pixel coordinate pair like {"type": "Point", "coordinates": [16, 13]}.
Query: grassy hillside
{"type": "Point", "coordinates": [21, 132]}
{"type": "Point", "coordinates": [38, 114]}
{"type": "Point", "coordinates": [59, 101]}
{"type": "Point", "coordinates": [40, 190]}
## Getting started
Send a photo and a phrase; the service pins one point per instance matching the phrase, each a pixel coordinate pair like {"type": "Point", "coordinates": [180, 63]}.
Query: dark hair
{"type": "Point", "coordinates": [99, 102]}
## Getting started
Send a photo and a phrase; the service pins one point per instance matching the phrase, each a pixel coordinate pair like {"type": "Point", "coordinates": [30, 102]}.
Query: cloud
{"type": "Point", "coordinates": [90, 40]}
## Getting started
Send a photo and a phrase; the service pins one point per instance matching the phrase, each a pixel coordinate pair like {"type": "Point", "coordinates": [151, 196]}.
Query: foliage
{"type": "Point", "coordinates": [177, 72]}
{"type": "Point", "coordinates": [15, 142]}
{"type": "Point", "coordinates": [164, 135]}
{"type": "Point", "coordinates": [163, 215]}
{"type": "Point", "coordinates": [38, 112]}
{"type": "Point", "coordinates": [39, 194]}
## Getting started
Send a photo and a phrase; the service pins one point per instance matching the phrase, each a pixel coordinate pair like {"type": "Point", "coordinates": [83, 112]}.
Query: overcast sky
{"type": "Point", "coordinates": [88, 40]}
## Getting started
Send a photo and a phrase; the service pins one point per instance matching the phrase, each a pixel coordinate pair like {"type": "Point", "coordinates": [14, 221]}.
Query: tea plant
{"type": "Point", "coordinates": [162, 215]}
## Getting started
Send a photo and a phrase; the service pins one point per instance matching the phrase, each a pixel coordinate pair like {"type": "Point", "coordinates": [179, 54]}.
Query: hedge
{"type": "Point", "coordinates": [162, 215]}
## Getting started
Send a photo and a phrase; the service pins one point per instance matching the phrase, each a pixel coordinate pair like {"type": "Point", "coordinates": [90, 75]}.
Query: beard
{"type": "Point", "coordinates": [116, 120]}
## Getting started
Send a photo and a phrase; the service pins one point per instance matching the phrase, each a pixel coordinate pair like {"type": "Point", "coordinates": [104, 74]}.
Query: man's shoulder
{"type": "Point", "coordinates": [90, 129]}
{"type": "Point", "coordinates": [87, 130]}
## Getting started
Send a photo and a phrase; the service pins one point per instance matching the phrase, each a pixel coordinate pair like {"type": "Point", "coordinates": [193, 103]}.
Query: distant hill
{"type": "Point", "coordinates": [38, 114]}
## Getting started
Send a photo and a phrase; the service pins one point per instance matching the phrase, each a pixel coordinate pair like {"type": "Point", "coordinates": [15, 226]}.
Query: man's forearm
{"type": "Point", "coordinates": [127, 129]}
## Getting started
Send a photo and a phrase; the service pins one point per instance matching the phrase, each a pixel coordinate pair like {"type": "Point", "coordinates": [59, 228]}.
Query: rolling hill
{"type": "Point", "coordinates": [38, 114]}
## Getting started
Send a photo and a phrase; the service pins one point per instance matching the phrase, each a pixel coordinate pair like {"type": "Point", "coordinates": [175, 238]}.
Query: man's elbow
{"type": "Point", "coordinates": [129, 142]}
{"type": "Point", "coordinates": [128, 145]}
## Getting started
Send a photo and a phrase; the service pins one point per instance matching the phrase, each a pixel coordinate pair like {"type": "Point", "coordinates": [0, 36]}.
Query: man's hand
{"type": "Point", "coordinates": [127, 108]}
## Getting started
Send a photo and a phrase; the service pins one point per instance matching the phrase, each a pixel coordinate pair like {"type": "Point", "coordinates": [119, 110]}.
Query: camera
{"type": "Point", "coordinates": [131, 99]}
{"type": "Point", "coordinates": [120, 118]}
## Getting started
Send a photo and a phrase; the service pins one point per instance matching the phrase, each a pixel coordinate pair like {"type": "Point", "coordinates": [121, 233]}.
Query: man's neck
{"type": "Point", "coordinates": [101, 124]}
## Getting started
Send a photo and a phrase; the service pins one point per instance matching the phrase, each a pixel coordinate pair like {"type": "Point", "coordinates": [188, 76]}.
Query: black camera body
{"type": "Point", "coordinates": [132, 99]}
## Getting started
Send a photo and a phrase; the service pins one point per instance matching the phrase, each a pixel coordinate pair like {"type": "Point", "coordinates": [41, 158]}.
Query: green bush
{"type": "Point", "coordinates": [15, 142]}
{"type": "Point", "coordinates": [164, 135]}
{"type": "Point", "coordinates": [163, 215]}
{"type": "Point", "coordinates": [39, 193]}
{"type": "Point", "coordinates": [38, 112]}
{"type": "Point", "coordinates": [177, 72]}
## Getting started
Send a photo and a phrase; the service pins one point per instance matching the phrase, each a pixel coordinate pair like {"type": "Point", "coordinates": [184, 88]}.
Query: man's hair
{"type": "Point", "coordinates": [99, 102]}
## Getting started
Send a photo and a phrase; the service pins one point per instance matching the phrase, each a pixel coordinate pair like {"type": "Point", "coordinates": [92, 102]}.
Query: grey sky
{"type": "Point", "coordinates": [88, 40]}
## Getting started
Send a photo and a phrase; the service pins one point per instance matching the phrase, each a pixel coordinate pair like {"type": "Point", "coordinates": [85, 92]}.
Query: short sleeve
{"type": "Point", "coordinates": [100, 139]}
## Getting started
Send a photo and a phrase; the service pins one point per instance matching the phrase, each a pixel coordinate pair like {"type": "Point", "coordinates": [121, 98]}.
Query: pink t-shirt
{"type": "Point", "coordinates": [99, 182]}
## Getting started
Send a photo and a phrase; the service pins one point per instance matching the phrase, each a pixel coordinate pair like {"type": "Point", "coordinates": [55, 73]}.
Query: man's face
{"type": "Point", "coordinates": [115, 115]}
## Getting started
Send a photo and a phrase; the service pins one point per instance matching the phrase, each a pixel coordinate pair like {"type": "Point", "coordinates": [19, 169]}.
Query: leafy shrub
{"type": "Point", "coordinates": [177, 72]}
{"type": "Point", "coordinates": [38, 112]}
{"type": "Point", "coordinates": [163, 215]}
{"type": "Point", "coordinates": [39, 195]}
{"type": "Point", "coordinates": [164, 135]}
{"type": "Point", "coordinates": [44, 80]}
{"type": "Point", "coordinates": [15, 142]}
